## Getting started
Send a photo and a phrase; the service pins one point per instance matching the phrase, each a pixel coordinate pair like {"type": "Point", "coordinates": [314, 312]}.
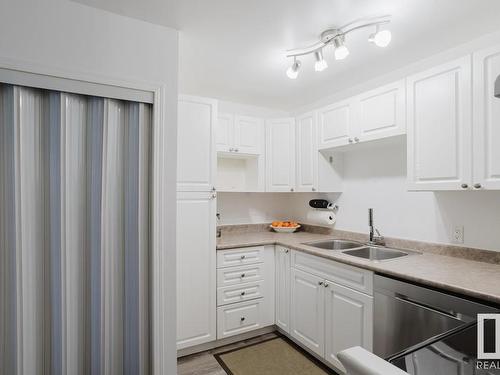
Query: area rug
{"type": "Point", "coordinates": [277, 356]}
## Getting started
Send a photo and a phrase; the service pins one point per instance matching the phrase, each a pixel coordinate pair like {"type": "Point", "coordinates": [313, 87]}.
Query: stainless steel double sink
{"type": "Point", "coordinates": [360, 250]}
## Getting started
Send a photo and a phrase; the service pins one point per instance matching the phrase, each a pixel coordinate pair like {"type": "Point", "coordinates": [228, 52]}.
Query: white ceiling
{"type": "Point", "coordinates": [235, 49]}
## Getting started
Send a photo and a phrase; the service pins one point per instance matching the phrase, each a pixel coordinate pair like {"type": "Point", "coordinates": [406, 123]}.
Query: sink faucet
{"type": "Point", "coordinates": [374, 239]}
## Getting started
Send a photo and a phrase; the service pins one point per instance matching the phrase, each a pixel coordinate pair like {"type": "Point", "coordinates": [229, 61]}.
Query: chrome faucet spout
{"type": "Point", "coordinates": [374, 239]}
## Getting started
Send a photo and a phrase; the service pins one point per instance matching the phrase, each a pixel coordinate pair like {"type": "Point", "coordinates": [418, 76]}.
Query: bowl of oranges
{"type": "Point", "coordinates": [285, 226]}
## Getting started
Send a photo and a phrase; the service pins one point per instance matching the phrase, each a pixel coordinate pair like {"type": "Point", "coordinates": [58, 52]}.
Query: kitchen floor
{"type": "Point", "coordinates": [204, 363]}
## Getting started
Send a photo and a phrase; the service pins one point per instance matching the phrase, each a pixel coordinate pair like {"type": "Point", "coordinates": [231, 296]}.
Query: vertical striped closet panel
{"type": "Point", "coordinates": [74, 233]}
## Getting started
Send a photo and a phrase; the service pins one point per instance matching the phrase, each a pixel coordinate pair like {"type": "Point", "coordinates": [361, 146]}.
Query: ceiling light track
{"type": "Point", "coordinates": [336, 37]}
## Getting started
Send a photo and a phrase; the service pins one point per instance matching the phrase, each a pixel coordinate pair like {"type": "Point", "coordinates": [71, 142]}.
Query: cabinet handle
{"type": "Point", "coordinates": [350, 140]}
{"type": "Point", "coordinates": [477, 186]}
{"type": "Point", "coordinates": [242, 319]}
{"type": "Point", "coordinates": [242, 275]}
{"type": "Point", "coordinates": [243, 257]}
{"type": "Point", "coordinates": [326, 285]}
{"type": "Point", "coordinates": [356, 139]}
{"type": "Point", "coordinates": [242, 293]}
{"type": "Point", "coordinates": [320, 283]}
{"type": "Point", "coordinates": [464, 186]}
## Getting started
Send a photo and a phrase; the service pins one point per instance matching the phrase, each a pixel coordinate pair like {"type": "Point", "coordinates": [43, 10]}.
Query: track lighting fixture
{"type": "Point", "coordinates": [293, 71]}
{"type": "Point", "coordinates": [320, 63]}
{"type": "Point", "coordinates": [336, 37]}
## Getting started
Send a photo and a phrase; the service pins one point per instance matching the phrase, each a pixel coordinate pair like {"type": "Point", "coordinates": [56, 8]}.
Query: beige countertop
{"type": "Point", "coordinates": [471, 278]}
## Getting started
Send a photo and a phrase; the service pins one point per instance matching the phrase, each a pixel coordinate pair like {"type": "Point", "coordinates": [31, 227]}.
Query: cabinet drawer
{"type": "Point", "coordinates": [239, 318]}
{"type": "Point", "coordinates": [241, 256]}
{"type": "Point", "coordinates": [239, 293]}
{"type": "Point", "coordinates": [240, 275]}
{"type": "Point", "coordinates": [343, 274]}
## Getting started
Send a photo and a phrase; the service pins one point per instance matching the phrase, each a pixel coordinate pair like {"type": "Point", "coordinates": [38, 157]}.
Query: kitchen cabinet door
{"type": "Point", "coordinates": [348, 321]}
{"type": "Point", "coordinates": [280, 155]}
{"type": "Point", "coordinates": [196, 156]}
{"type": "Point", "coordinates": [196, 269]}
{"type": "Point", "coordinates": [306, 152]}
{"type": "Point", "coordinates": [440, 127]}
{"type": "Point", "coordinates": [307, 310]}
{"type": "Point", "coordinates": [248, 135]}
{"type": "Point", "coordinates": [282, 275]}
{"type": "Point", "coordinates": [486, 150]}
{"type": "Point", "coordinates": [380, 113]}
{"type": "Point", "coordinates": [224, 132]}
{"type": "Point", "coordinates": [335, 124]}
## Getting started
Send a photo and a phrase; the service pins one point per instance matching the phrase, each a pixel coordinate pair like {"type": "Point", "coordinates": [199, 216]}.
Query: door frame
{"type": "Point", "coordinates": [163, 197]}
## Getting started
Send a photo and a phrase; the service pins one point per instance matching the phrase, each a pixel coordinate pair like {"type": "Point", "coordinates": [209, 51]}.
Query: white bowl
{"type": "Point", "coordinates": [285, 229]}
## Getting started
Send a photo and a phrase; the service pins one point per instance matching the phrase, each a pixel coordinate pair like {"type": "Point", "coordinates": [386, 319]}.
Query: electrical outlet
{"type": "Point", "coordinates": [458, 234]}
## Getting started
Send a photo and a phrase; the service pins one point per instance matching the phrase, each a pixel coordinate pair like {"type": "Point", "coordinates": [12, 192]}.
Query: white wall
{"type": "Point", "coordinates": [377, 178]}
{"type": "Point", "coordinates": [79, 40]}
{"type": "Point", "coordinates": [250, 110]}
{"type": "Point", "coordinates": [252, 208]}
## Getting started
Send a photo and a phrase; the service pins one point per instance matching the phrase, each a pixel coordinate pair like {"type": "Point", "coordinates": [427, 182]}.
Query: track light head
{"type": "Point", "coordinates": [341, 51]}
{"type": "Point", "coordinates": [380, 38]}
{"type": "Point", "coordinates": [293, 71]}
{"type": "Point", "coordinates": [320, 63]}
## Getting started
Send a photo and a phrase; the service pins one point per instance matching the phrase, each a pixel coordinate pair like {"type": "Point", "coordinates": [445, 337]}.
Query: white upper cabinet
{"type": "Point", "coordinates": [280, 155]}
{"type": "Point", "coordinates": [439, 113]}
{"type": "Point", "coordinates": [196, 156]}
{"type": "Point", "coordinates": [239, 134]}
{"type": "Point", "coordinates": [486, 133]}
{"type": "Point", "coordinates": [224, 132]}
{"type": "Point", "coordinates": [380, 113]}
{"type": "Point", "coordinates": [306, 153]}
{"type": "Point", "coordinates": [248, 135]}
{"type": "Point", "coordinates": [335, 124]}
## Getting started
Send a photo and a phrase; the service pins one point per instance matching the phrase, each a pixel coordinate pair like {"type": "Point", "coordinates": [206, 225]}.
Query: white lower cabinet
{"type": "Point", "coordinates": [196, 321]}
{"type": "Point", "coordinates": [348, 321]}
{"type": "Point", "coordinates": [307, 310]}
{"type": "Point", "coordinates": [282, 273]}
{"type": "Point", "coordinates": [327, 317]}
{"type": "Point", "coordinates": [245, 290]}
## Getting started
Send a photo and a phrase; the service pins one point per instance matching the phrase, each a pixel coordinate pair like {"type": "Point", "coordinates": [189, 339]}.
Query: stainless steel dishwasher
{"type": "Point", "coordinates": [406, 315]}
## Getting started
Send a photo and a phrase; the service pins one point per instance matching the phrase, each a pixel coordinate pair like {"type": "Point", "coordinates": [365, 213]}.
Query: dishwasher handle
{"type": "Point", "coordinates": [450, 314]}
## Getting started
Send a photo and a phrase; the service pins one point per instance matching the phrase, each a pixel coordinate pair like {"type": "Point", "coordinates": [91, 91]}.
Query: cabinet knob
{"type": "Point", "coordinates": [231, 149]}
{"type": "Point", "coordinates": [243, 257]}
{"type": "Point", "coordinates": [242, 319]}
{"type": "Point", "coordinates": [477, 186]}
{"type": "Point", "coordinates": [356, 139]}
{"type": "Point", "coordinates": [236, 150]}
{"type": "Point", "coordinates": [291, 189]}
{"type": "Point", "coordinates": [213, 195]}
{"type": "Point", "coordinates": [286, 251]}
{"type": "Point", "coordinates": [464, 186]}
{"type": "Point", "coordinates": [242, 293]}
{"type": "Point", "coordinates": [320, 283]}
{"type": "Point", "coordinates": [313, 189]}
{"type": "Point", "coordinates": [350, 140]}
{"type": "Point", "coordinates": [326, 285]}
{"type": "Point", "coordinates": [242, 275]}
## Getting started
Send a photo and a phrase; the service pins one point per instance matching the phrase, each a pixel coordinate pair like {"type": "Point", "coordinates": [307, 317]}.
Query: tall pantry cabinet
{"type": "Point", "coordinates": [196, 210]}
